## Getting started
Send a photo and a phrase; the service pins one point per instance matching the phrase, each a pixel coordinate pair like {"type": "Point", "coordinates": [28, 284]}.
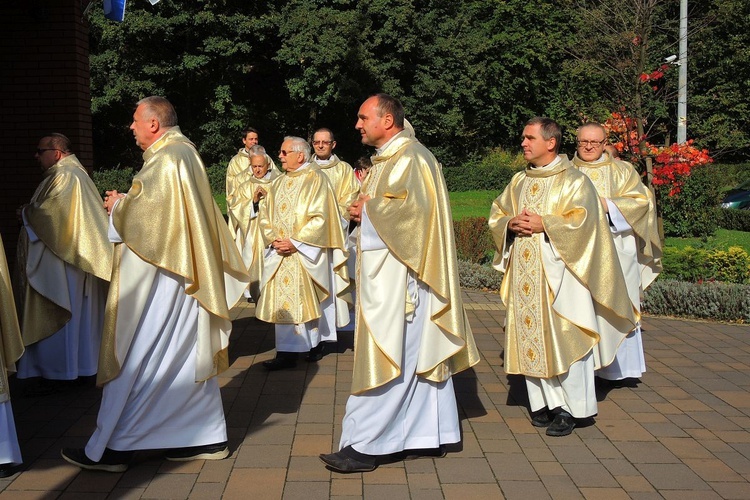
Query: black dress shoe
{"type": "Point", "coordinates": [542, 419]}
{"type": "Point", "coordinates": [438, 452]}
{"type": "Point", "coordinates": [217, 451]}
{"type": "Point", "coordinates": [315, 354]}
{"type": "Point", "coordinates": [562, 425]}
{"type": "Point", "coordinates": [112, 461]}
{"type": "Point", "coordinates": [7, 470]}
{"type": "Point", "coordinates": [282, 361]}
{"type": "Point", "coordinates": [338, 462]}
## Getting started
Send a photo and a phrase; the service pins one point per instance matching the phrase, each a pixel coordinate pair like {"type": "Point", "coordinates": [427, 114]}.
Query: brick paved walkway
{"type": "Point", "coordinates": [683, 433]}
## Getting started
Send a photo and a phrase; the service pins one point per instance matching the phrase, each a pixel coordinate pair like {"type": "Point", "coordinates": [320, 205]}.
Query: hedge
{"type": "Point", "coordinates": [492, 172]}
{"type": "Point", "coordinates": [731, 218]}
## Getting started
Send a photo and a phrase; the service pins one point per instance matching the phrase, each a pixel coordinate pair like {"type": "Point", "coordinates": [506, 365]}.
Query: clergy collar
{"type": "Point", "coordinates": [323, 163]}
{"type": "Point", "coordinates": [604, 159]}
{"type": "Point", "coordinates": [556, 166]}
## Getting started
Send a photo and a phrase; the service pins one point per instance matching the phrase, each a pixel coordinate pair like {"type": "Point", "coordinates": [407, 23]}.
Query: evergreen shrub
{"type": "Point", "coordinates": [118, 178]}
{"type": "Point", "coordinates": [710, 300]}
{"type": "Point", "coordinates": [492, 172]}
{"type": "Point", "coordinates": [732, 218]}
{"type": "Point", "coordinates": [473, 240]}
{"type": "Point", "coordinates": [696, 265]}
{"type": "Point", "coordinates": [217, 177]}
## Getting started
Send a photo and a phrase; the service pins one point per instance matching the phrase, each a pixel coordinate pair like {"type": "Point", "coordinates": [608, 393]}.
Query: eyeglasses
{"type": "Point", "coordinates": [284, 153]}
{"type": "Point", "coordinates": [591, 143]}
{"type": "Point", "coordinates": [322, 143]}
{"type": "Point", "coordinates": [42, 150]}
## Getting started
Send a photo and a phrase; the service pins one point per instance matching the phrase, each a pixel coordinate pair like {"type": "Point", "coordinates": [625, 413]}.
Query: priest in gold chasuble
{"type": "Point", "coordinates": [565, 296]}
{"type": "Point", "coordinates": [11, 348]}
{"type": "Point", "coordinates": [345, 187]}
{"type": "Point", "coordinates": [631, 213]}
{"type": "Point", "coordinates": [65, 261]}
{"type": "Point", "coordinates": [304, 273]}
{"type": "Point", "coordinates": [243, 209]}
{"type": "Point", "coordinates": [240, 164]}
{"type": "Point", "coordinates": [412, 334]}
{"type": "Point", "coordinates": [176, 274]}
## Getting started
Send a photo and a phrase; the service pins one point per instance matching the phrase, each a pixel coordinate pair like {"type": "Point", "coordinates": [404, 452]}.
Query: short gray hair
{"type": "Point", "coordinates": [161, 108]}
{"type": "Point", "coordinates": [300, 145]}
{"type": "Point", "coordinates": [258, 150]}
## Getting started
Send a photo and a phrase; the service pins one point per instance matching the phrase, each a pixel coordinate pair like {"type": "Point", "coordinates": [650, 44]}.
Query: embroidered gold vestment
{"type": "Point", "coordinates": [300, 206]}
{"type": "Point", "coordinates": [619, 181]}
{"type": "Point", "coordinates": [553, 278]}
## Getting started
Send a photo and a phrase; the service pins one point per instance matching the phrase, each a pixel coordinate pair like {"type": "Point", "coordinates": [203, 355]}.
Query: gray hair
{"type": "Point", "coordinates": [300, 145]}
{"type": "Point", "coordinates": [258, 150]}
{"type": "Point", "coordinates": [161, 108]}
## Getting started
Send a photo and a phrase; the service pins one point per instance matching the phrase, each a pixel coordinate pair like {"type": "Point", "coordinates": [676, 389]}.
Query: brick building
{"type": "Point", "coordinates": [44, 87]}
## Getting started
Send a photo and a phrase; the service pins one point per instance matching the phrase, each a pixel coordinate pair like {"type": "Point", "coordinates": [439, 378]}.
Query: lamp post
{"type": "Point", "coordinates": [682, 80]}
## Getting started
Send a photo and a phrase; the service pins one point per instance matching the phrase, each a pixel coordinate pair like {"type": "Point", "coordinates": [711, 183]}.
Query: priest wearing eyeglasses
{"type": "Point", "coordinates": [304, 272]}
{"type": "Point", "coordinates": [631, 215]}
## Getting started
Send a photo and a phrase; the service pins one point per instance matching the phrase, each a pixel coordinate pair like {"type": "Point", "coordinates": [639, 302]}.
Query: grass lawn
{"type": "Point", "coordinates": [472, 203]}
{"type": "Point", "coordinates": [722, 240]}
{"type": "Point", "coordinates": [477, 204]}
{"type": "Point", "coordinates": [221, 200]}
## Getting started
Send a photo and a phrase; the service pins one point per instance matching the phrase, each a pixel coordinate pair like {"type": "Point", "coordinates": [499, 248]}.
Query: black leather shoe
{"type": "Point", "coordinates": [562, 425]}
{"type": "Point", "coordinates": [438, 452]}
{"type": "Point", "coordinates": [111, 462]}
{"type": "Point", "coordinates": [338, 462]}
{"type": "Point", "coordinates": [7, 470]}
{"type": "Point", "coordinates": [315, 354]}
{"type": "Point", "coordinates": [281, 362]}
{"type": "Point", "coordinates": [542, 419]}
{"type": "Point", "coordinates": [217, 451]}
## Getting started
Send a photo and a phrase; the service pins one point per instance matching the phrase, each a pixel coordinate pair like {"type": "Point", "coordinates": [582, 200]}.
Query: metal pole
{"type": "Point", "coordinates": [682, 82]}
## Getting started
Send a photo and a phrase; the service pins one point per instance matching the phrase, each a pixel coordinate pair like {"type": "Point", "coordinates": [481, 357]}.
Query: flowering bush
{"type": "Point", "coordinates": [675, 162]}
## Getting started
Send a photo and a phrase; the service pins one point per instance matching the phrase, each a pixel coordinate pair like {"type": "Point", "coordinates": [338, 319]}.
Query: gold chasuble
{"type": "Point", "coordinates": [66, 213]}
{"type": "Point", "coordinates": [170, 220]}
{"type": "Point", "coordinates": [619, 182]}
{"type": "Point", "coordinates": [11, 345]}
{"type": "Point", "coordinates": [563, 289]}
{"type": "Point", "coordinates": [248, 237]}
{"type": "Point", "coordinates": [301, 206]}
{"type": "Point", "coordinates": [341, 176]}
{"type": "Point", "coordinates": [239, 164]}
{"type": "Point", "coordinates": [410, 210]}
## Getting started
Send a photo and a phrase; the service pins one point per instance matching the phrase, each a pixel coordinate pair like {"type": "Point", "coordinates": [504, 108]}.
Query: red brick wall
{"type": "Point", "coordinates": [44, 87]}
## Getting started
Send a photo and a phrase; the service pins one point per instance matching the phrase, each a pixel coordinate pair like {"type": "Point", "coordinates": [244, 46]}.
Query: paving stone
{"type": "Point", "coordinates": [170, 486]}
{"type": "Point", "coordinates": [472, 491]}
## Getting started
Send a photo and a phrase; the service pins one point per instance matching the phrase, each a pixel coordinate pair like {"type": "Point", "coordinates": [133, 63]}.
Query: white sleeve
{"type": "Point", "coordinates": [616, 219]}
{"type": "Point", "coordinates": [369, 238]}
{"type": "Point", "coordinates": [310, 252]}
{"type": "Point", "coordinates": [112, 233]}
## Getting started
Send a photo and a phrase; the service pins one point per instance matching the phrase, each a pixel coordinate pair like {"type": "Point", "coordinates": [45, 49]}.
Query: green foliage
{"type": "Point", "coordinates": [118, 178]}
{"type": "Point", "coordinates": [471, 203]}
{"type": "Point", "coordinates": [492, 172]}
{"type": "Point", "coordinates": [738, 220]}
{"type": "Point", "coordinates": [478, 277]}
{"type": "Point", "coordinates": [692, 212]}
{"type": "Point", "coordinates": [715, 301]}
{"type": "Point", "coordinates": [722, 240]}
{"type": "Point", "coordinates": [696, 265]}
{"type": "Point", "coordinates": [719, 82]}
{"type": "Point", "coordinates": [217, 177]}
{"type": "Point", "coordinates": [473, 240]}
{"type": "Point", "coordinates": [732, 266]}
